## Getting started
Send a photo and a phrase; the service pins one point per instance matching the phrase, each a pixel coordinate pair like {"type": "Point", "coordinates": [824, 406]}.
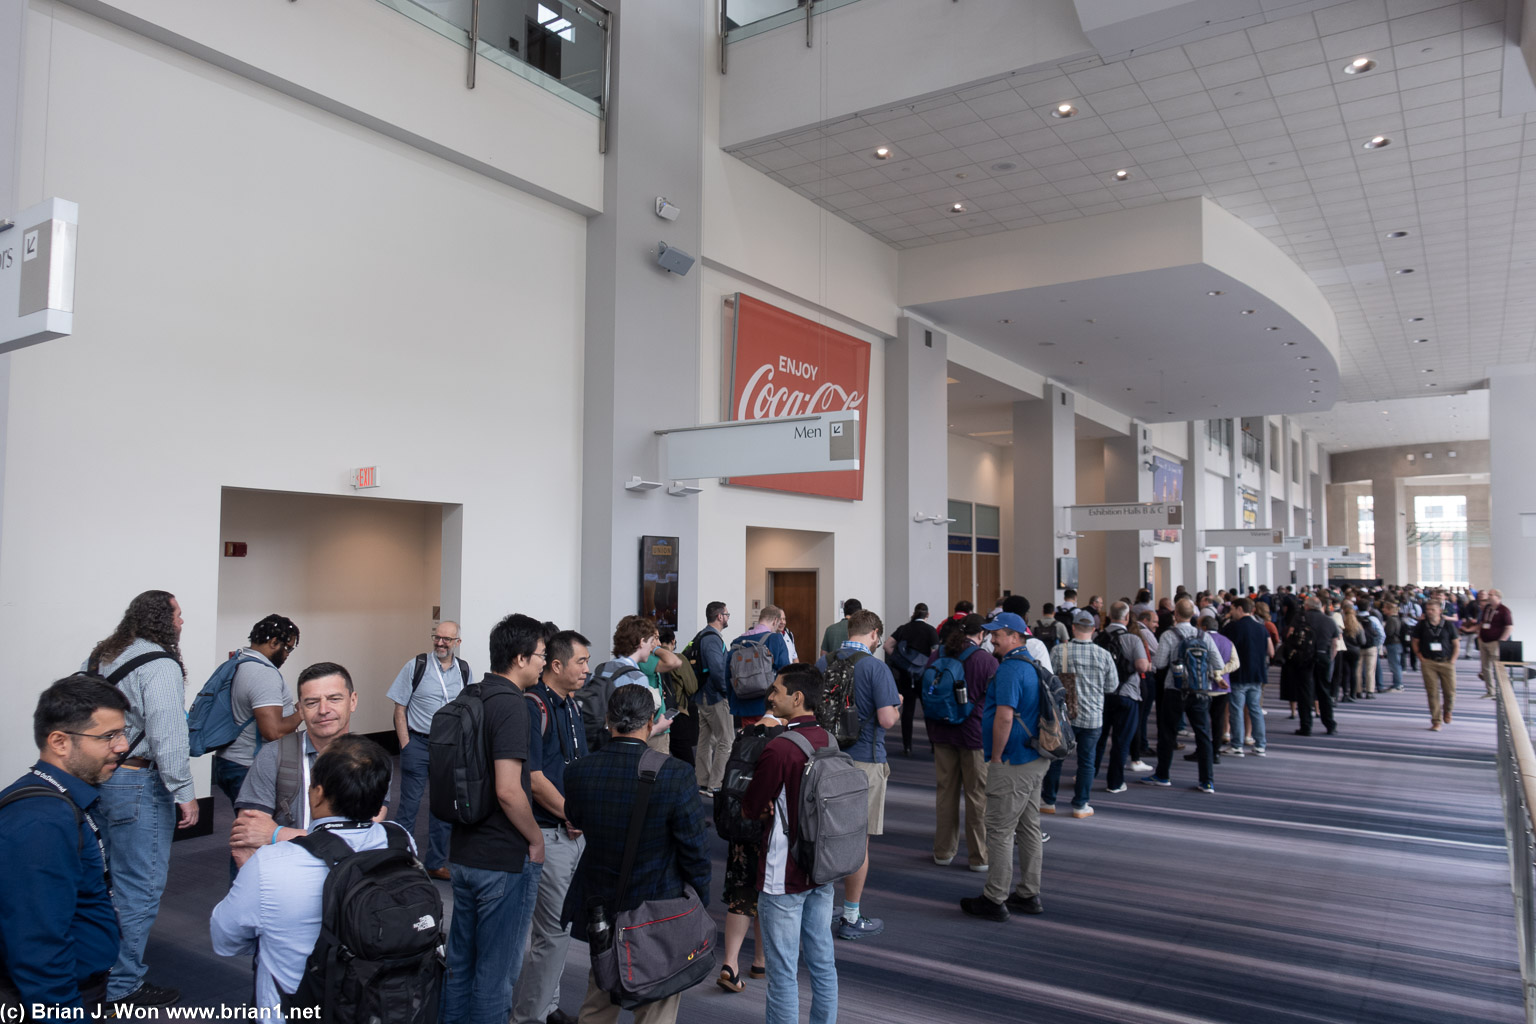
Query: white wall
{"type": "Point", "coordinates": [1092, 547]}
{"type": "Point", "coordinates": [359, 577]}
{"type": "Point", "coordinates": [769, 549]}
{"type": "Point", "coordinates": [983, 473]}
{"type": "Point", "coordinates": [268, 296]}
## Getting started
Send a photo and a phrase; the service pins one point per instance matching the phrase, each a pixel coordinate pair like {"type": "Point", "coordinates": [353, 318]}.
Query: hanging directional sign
{"type": "Point", "coordinates": [1155, 515]}
{"type": "Point", "coordinates": [823, 443]}
{"type": "Point", "coordinates": [1250, 539]}
{"type": "Point", "coordinates": [1298, 543]}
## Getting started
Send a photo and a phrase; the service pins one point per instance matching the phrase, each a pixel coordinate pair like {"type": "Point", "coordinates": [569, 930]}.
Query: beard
{"type": "Point", "coordinates": [89, 769]}
{"type": "Point", "coordinates": [278, 657]}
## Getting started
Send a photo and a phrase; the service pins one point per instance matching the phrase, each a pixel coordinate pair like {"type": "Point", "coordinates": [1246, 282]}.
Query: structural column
{"type": "Point", "coordinates": [1127, 480]}
{"type": "Point", "coordinates": [916, 469]}
{"type": "Point", "coordinates": [1391, 528]}
{"type": "Point", "coordinates": [1044, 483]}
{"type": "Point", "coordinates": [642, 345]}
{"type": "Point", "coordinates": [1512, 491]}
{"type": "Point", "coordinates": [1193, 575]}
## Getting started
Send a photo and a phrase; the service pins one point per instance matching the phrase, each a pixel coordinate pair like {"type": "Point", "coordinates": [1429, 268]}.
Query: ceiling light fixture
{"type": "Point", "coordinates": [1064, 110]}
{"type": "Point", "coordinates": [1359, 66]}
{"type": "Point", "coordinates": [1415, 319]}
{"type": "Point", "coordinates": [1426, 371]}
{"type": "Point", "coordinates": [1376, 142]}
{"type": "Point", "coordinates": [883, 153]}
{"type": "Point", "coordinates": [1248, 312]}
{"type": "Point", "coordinates": [1420, 341]}
{"type": "Point", "coordinates": [1215, 293]}
{"type": "Point", "coordinates": [1397, 234]}
{"type": "Point", "coordinates": [1288, 344]}
{"type": "Point", "coordinates": [1005, 321]}
{"type": "Point", "coordinates": [1122, 175]}
{"type": "Point", "coordinates": [1431, 385]}
{"type": "Point", "coordinates": [1271, 328]}
{"type": "Point", "coordinates": [1406, 270]}
{"type": "Point", "coordinates": [957, 208]}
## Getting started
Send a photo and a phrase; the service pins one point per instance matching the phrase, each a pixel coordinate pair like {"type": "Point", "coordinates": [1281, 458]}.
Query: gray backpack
{"type": "Point", "coordinates": [834, 812]}
{"type": "Point", "coordinates": [751, 667]}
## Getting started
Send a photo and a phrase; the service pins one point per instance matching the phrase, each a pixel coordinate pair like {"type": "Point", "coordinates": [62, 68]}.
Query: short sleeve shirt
{"type": "Point", "coordinates": [833, 638]}
{"type": "Point", "coordinates": [495, 844]}
{"type": "Point", "coordinates": [259, 790]}
{"type": "Point", "coordinates": [257, 684]}
{"type": "Point", "coordinates": [435, 689]}
{"type": "Point", "coordinates": [873, 688]}
{"type": "Point", "coordinates": [556, 739]}
{"type": "Point", "coordinates": [1493, 623]}
{"type": "Point", "coordinates": [1016, 685]}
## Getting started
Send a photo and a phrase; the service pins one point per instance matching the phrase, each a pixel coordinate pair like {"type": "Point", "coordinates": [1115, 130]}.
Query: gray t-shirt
{"type": "Point", "coordinates": [259, 791]}
{"type": "Point", "coordinates": [258, 684]}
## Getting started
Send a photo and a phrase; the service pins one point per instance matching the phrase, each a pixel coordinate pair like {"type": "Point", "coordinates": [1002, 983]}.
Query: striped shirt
{"type": "Point", "coordinates": [157, 705]}
{"type": "Point", "coordinates": [1095, 671]}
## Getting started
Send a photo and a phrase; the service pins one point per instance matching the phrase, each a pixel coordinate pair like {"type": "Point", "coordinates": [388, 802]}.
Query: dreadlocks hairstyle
{"type": "Point", "coordinates": [149, 617]}
{"type": "Point", "coordinates": [274, 627]}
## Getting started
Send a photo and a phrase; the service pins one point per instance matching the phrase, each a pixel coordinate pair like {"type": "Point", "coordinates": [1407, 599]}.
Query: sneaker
{"type": "Point", "coordinates": [1303, 732]}
{"type": "Point", "coordinates": [559, 1016]}
{"type": "Point", "coordinates": [1248, 742]}
{"type": "Point", "coordinates": [1115, 789]}
{"type": "Point", "coordinates": [149, 995]}
{"type": "Point", "coordinates": [946, 862]}
{"type": "Point", "coordinates": [1230, 749]}
{"type": "Point", "coordinates": [1045, 837]}
{"type": "Point", "coordinates": [1140, 766]}
{"type": "Point", "coordinates": [1047, 808]}
{"type": "Point", "coordinates": [1434, 727]}
{"type": "Point", "coordinates": [980, 906]}
{"type": "Point", "coordinates": [1025, 904]}
{"type": "Point", "coordinates": [1205, 788]}
{"type": "Point", "coordinates": [1085, 811]}
{"type": "Point", "coordinates": [978, 868]}
{"type": "Point", "coordinates": [1153, 780]}
{"type": "Point", "coordinates": [863, 928]}
{"type": "Point", "coordinates": [1258, 752]}
{"type": "Point", "coordinates": [1446, 718]}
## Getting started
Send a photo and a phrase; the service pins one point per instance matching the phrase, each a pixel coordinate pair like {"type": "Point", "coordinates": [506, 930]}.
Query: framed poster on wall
{"type": "Point", "coordinates": [658, 580]}
{"type": "Point", "coordinates": [1167, 485]}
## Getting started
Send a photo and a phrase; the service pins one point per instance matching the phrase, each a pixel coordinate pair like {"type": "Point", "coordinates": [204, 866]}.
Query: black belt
{"type": "Point", "coordinates": [413, 732]}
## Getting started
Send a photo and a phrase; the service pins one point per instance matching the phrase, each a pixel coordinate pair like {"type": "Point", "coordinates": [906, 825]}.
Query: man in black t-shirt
{"type": "Point", "coordinates": [1324, 632]}
{"type": "Point", "coordinates": [917, 639]}
{"type": "Point", "coordinates": [496, 862]}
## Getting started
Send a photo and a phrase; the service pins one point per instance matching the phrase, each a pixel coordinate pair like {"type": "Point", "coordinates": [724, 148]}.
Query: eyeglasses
{"type": "Point", "coordinates": [108, 738]}
{"type": "Point", "coordinates": [540, 655]}
{"type": "Point", "coordinates": [444, 639]}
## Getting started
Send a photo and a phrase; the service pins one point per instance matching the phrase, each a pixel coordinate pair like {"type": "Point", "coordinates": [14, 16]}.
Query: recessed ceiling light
{"type": "Point", "coordinates": [1315, 391]}
{"type": "Point", "coordinates": [1426, 371]}
{"type": "Point", "coordinates": [957, 208]}
{"type": "Point", "coordinates": [1311, 401]}
{"type": "Point", "coordinates": [1415, 319]}
{"type": "Point", "coordinates": [1122, 175]}
{"type": "Point", "coordinates": [1249, 312]}
{"type": "Point", "coordinates": [1301, 357]}
{"type": "Point", "coordinates": [1406, 270]}
{"type": "Point", "coordinates": [1288, 344]}
{"type": "Point", "coordinates": [1216, 293]}
{"type": "Point", "coordinates": [1420, 341]}
{"type": "Point", "coordinates": [1314, 382]}
{"type": "Point", "coordinates": [1064, 110]}
{"type": "Point", "coordinates": [1397, 234]}
{"type": "Point", "coordinates": [1081, 362]}
{"type": "Point", "coordinates": [1359, 66]}
{"type": "Point", "coordinates": [1004, 165]}
{"type": "Point", "coordinates": [1130, 389]}
{"type": "Point", "coordinates": [1005, 321]}
{"type": "Point", "coordinates": [1271, 328]}
{"type": "Point", "coordinates": [1376, 142]}
{"type": "Point", "coordinates": [1431, 385]}
{"type": "Point", "coordinates": [883, 153]}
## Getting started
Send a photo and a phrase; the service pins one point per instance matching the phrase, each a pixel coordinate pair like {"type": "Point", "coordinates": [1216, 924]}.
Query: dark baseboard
{"type": "Point", "coordinates": [388, 740]}
{"type": "Point", "coordinates": [204, 826]}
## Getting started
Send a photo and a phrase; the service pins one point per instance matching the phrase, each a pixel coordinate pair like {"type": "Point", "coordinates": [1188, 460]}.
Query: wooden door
{"type": "Point", "coordinates": [960, 583]}
{"type": "Point", "coordinates": [795, 592]}
{"type": "Point", "coordinates": [1162, 568]}
{"type": "Point", "coordinates": [989, 582]}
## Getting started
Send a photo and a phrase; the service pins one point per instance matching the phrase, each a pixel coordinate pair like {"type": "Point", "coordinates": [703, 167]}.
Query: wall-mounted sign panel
{"type": "Point", "coordinates": [37, 275]}
{"type": "Point", "coordinates": [1167, 486]}
{"type": "Point", "coordinates": [1250, 539]}
{"type": "Point", "coordinates": [826, 443]}
{"type": "Point", "coordinates": [780, 365]}
{"type": "Point", "coordinates": [1155, 515]}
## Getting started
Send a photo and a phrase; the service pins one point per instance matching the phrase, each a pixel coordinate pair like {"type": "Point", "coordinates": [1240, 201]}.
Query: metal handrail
{"type": "Point", "coordinates": [1517, 786]}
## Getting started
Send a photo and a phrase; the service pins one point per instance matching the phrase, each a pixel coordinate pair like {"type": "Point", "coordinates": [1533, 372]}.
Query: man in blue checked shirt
{"type": "Point", "coordinates": [58, 929]}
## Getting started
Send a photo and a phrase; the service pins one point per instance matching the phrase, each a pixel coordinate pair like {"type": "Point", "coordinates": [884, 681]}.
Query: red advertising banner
{"type": "Point", "coordinates": [785, 365]}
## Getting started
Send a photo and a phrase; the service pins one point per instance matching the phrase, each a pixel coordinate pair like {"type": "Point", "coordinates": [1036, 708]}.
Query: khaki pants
{"type": "Point", "coordinates": [1493, 672]}
{"type": "Point", "coordinates": [1013, 819]}
{"type": "Point", "coordinates": [1439, 676]}
{"type": "Point", "coordinates": [599, 1008]}
{"type": "Point", "coordinates": [715, 739]}
{"type": "Point", "coordinates": [1367, 682]}
{"type": "Point", "coordinates": [957, 769]}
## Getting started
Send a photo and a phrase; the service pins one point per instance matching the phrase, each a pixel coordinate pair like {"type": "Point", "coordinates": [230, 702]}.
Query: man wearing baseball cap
{"type": "Point", "coordinates": [1014, 772]}
{"type": "Point", "coordinates": [1091, 671]}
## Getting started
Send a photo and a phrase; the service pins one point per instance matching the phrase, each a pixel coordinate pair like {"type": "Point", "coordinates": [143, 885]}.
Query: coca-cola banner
{"type": "Point", "coordinates": [785, 365]}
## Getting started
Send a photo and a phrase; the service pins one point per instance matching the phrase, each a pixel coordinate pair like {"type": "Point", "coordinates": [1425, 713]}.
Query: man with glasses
{"type": "Point", "coordinates": [425, 684]}
{"type": "Point", "coordinates": [58, 929]}
{"type": "Point", "coordinates": [259, 696]}
{"type": "Point", "coordinates": [716, 733]}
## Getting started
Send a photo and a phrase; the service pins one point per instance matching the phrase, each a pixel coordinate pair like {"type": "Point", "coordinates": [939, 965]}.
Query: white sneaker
{"type": "Point", "coordinates": [1140, 766]}
{"type": "Point", "coordinates": [1231, 751]}
{"type": "Point", "coordinates": [1248, 742]}
{"type": "Point", "coordinates": [1258, 751]}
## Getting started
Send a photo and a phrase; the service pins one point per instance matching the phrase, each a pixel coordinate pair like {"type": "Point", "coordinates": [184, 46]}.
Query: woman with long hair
{"type": "Point", "coordinates": [1354, 640]}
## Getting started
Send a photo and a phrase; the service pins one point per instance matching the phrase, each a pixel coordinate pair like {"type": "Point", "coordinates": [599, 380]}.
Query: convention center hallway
{"type": "Point", "coordinates": [1360, 877]}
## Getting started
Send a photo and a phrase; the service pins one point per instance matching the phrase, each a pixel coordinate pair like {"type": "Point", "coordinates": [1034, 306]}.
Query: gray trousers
{"type": "Point", "coordinates": [1013, 819]}
{"type": "Point", "coordinates": [716, 735]}
{"type": "Point", "coordinates": [537, 994]}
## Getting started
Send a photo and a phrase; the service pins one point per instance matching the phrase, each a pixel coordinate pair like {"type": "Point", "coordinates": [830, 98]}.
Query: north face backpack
{"type": "Point", "coordinates": [1052, 737]}
{"type": "Point", "coordinates": [945, 696]}
{"type": "Point", "coordinates": [1192, 669]}
{"type": "Point", "coordinates": [838, 713]}
{"type": "Point", "coordinates": [211, 721]}
{"type": "Point", "coordinates": [751, 665]}
{"type": "Point", "coordinates": [379, 957]}
{"type": "Point", "coordinates": [460, 777]}
{"type": "Point", "coordinates": [730, 823]}
{"type": "Point", "coordinates": [834, 813]}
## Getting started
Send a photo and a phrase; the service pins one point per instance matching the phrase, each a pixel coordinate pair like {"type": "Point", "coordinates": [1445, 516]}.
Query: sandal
{"type": "Point", "coordinates": [757, 972]}
{"type": "Point", "coordinates": [730, 980]}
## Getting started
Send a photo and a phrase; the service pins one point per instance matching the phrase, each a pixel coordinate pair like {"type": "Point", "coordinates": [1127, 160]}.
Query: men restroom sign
{"type": "Point", "coordinates": [781, 365]}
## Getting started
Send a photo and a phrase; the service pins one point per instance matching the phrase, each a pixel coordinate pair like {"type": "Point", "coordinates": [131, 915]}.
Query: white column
{"type": "Point", "coordinates": [1193, 575]}
{"type": "Point", "coordinates": [1512, 491]}
{"type": "Point", "coordinates": [916, 468]}
{"type": "Point", "coordinates": [1044, 483]}
{"type": "Point", "coordinates": [1126, 479]}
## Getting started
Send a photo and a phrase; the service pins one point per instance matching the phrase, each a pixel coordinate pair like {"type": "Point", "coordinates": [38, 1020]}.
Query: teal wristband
{"type": "Point", "coordinates": [274, 836]}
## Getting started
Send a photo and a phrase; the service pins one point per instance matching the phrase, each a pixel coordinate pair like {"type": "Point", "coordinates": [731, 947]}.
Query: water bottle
{"type": "Point", "coordinates": [599, 929]}
{"type": "Point", "coordinates": [961, 696]}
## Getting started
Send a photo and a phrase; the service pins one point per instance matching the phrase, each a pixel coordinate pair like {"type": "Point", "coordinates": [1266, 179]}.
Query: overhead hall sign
{"type": "Point", "coordinates": [782, 365]}
{"type": "Point", "coordinates": [1156, 515]}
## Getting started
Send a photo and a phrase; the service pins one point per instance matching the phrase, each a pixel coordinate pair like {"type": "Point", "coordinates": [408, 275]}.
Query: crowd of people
{"type": "Point", "coordinates": [598, 779]}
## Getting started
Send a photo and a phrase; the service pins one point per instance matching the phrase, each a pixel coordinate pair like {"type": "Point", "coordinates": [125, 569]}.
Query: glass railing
{"type": "Point", "coordinates": [559, 45]}
{"type": "Point", "coordinates": [742, 18]}
{"type": "Point", "coordinates": [1517, 785]}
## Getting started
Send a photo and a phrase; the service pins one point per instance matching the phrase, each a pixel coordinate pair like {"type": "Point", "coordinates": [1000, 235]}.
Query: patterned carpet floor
{"type": "Point", "coordinates": [1355, 878]}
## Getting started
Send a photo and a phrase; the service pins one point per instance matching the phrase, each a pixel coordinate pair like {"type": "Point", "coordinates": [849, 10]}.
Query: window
{"type": "Point", "coordinates": [1365, 520]}
{"type": "Point", "coordinates": [1440, 535]}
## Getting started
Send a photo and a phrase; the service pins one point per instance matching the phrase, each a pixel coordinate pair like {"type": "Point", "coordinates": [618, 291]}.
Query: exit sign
{"type": "Point", "coordinates": [368, 476]}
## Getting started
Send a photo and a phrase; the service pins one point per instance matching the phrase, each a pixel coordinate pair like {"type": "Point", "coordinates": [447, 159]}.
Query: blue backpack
{"type": "Point", "coordinates": [945, 697]}
{"type": "Point", "coordinates": [211, 724]}
{"type": "Point", "coordinates": [1192, 670]}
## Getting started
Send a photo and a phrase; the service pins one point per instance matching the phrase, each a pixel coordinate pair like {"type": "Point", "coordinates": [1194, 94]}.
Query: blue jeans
{"type": "Point", "coordinates": [797, 927]}
{"type": "Point", "coordinates": [1251, 695]}
{"type": "Point", "coordinates": [137, 820]}
{"type": "Point", "coordinates": [1087, 748]}
{"type": "Point", "coordinates": [229, 776]}
{"type": "Point", "coordinates": [1395, 663]}
{"type": "Point", "coordinates": [492, 911]}
{"type": "Point", "coordinates": [413, 780]}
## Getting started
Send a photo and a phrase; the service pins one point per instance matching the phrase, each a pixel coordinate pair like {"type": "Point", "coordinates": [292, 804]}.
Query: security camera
{"type": "Point", "coordinates": [672, 259]}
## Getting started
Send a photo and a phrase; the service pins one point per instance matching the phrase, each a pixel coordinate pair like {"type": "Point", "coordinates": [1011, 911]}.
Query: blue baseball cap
{"type": "Point", "coordinates": [1006, 620]}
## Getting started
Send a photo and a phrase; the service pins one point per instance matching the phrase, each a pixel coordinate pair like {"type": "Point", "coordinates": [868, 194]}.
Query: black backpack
{"type": "Point", "coordinates": [592, 700]}
{"type": "Point", "coordinates": [838, 713]}
{"type": "Point", "coordinates": [421, 670]}
{"type": "Point", "coordinates": [379, 958]}
{"type": "Point", "coordinates": [1124, 666]}
{"type": "Point", "coordinates": [1300, 644]}
{"type": "Point", "coordinates": [730, 823]}
{"type": "Point", "coordinates": [461, 785]}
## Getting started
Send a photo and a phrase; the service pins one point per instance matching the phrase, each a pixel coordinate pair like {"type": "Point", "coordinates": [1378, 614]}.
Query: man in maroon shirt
{"type": "Point", "coordinates": [795, 915]}
{"type": "Point", "coordinates": [1495, 624]}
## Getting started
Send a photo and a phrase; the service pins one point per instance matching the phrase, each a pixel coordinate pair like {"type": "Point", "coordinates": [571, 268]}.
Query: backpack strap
{"type": "Point", "coordinates": [464, 671]}
{"type": "Point", "coordinates": [27, 792]}
{"type": "Point", "coordinates": [421, 670]}
{"type": "Point", "coordinates": [543, 711]}
{"type": "Point", "coordinates": [965, 655]}
{"type": "Point", "coordinates": [646, 770]}
{"type": "Point", "coordinates": [324, 846]}
{"type": "Point", "coordinates": [122, 672]}
{"type": "Point", "coordinates": [290, 776]}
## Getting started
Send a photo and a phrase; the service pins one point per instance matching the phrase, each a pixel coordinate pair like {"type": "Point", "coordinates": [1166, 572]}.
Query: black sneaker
{"type": "Point", "coordinates": [559, 1017]}
{"type": "Point", "coordinates": [1025, 905]}
{"type": "Point", "coordinates": [980, 906]}
{"type": "Point", "coordinates": [149, 995]}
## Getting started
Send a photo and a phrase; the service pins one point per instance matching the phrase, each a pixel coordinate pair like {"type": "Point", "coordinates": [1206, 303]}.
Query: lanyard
{"type": "Point", "coordinates": [567, 754]}
{"type": "Point", "coordinates": [106, 872]}
{"type": "Point", "coordinates": [442, 684]}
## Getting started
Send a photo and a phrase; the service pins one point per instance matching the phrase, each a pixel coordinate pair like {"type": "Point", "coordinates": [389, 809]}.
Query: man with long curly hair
{"type": "Point", "coordinates": [151, 792]}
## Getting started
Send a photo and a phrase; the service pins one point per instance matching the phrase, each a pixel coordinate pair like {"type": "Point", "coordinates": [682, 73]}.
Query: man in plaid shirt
{"type": "Point", "coordinates": [1084, 664]}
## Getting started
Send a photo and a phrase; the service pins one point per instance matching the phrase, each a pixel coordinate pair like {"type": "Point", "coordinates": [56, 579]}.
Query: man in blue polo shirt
{"type": "Point", "coordinates": [558, 740]}
{"type": "Point", "coordinates": [1014, 773]}
{"type": "Point", "coordinates": [58, 929]}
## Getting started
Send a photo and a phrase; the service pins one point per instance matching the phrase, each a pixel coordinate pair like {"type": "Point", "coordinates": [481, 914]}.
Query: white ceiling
{"type": "Point", "coordinates": [1265, 122]}
{"type": "Point", "coordinates": [1350, 426]}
